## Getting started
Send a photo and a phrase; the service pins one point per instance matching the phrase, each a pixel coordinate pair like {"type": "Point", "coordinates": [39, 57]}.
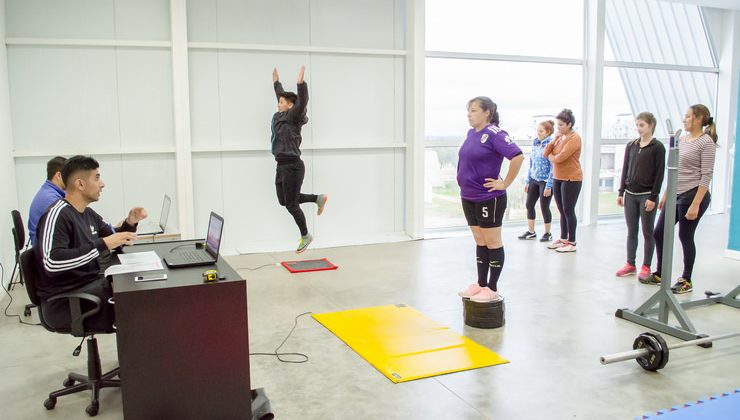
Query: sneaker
{"type": "Point", "coordinates": [682, 286]}
{"type": "Point", "coordinates": [470, 291]}
{"type": "Point", "coordinates": [627, 270]}
{"type": "Point", "coordinates": [568, 247]}
{"type": "Point", "coordinates": [546, 237]}
{"type": "Point", "coordinates": [644, 272]}
{"type": "Point", "coordinates": [304, 243]}
{"type": "Point", "coordinates": [651, 279]}
{"type": "Point", "coordinates": [321, 203]}
{"type": "Point", "coordinates": [528, 235]}
{"type": "Point", "coordinates": [557, 244]}
{"type": "Point", "coordinates": [485, 295]}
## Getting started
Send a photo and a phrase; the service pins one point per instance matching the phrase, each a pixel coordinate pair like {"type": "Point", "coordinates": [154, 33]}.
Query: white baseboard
{"type": "Point", "coordinates": [733, 254]}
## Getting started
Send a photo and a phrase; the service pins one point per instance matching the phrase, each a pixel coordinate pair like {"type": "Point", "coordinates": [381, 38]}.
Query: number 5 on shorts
{"type": "Point", "coordinates": [484, 211]}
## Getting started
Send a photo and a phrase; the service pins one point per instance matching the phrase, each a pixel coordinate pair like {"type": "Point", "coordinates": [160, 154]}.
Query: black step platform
{"type": "Point", "coordinates": [483, 315]}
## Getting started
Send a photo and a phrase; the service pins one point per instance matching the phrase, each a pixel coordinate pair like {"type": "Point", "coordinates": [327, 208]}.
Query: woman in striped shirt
{"type": "Point", "coordinates": [696, 153]}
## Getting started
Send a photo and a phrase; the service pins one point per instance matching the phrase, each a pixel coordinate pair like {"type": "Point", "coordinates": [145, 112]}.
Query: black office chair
{"type": "Point", "coordinates": [94, 380]}
{"type": "Point", "coordinates": [19, 238]}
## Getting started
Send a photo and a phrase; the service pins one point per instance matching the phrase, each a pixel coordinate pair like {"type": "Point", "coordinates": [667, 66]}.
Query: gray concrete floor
{"type": "Point", "coordinates": [559, 320]}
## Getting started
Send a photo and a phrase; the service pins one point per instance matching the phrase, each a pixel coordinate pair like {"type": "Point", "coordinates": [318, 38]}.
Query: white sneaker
{"type": "Point", "coordinates": [557, 244]}
{"type": "Point", "coordinates": [567, 248]}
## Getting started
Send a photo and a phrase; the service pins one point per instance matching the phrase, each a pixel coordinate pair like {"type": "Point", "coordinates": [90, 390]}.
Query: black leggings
{"type": "Point", "coordinates": [566, 195]}
{"type": "Point", "coordinates": [686, 231]}
{"type": "Point", "coordinates": [536, 191]}
{"type": "Point", "coordinates": [288, 182]}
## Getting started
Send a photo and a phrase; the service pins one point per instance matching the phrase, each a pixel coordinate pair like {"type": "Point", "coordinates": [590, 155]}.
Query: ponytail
{"type": "Point", "coordinates": [711, 129]}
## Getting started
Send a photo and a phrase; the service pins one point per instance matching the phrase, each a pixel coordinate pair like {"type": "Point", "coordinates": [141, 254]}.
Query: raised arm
{"type": "Point", "coordinates": [276, 84]}
{"type": "Point", "coordinates": [299, 109]}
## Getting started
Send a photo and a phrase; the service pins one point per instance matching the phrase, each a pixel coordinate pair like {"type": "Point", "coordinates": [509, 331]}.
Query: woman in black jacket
{"type": "Point", "coordinates": [642, 175]}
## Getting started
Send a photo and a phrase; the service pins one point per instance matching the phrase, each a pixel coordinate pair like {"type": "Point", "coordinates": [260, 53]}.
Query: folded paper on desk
{"type": "Point", "coordinates": [135, 262]}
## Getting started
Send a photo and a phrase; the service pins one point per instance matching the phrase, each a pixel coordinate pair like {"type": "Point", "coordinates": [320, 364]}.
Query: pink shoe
{"type": "Point", "coordinates": [471, 290]}
{"type": "Point", "coordinates": [627, 270]}
{"type": "Point", "coordinates": [557, 244]}
{"type": "Point", "coordinates": [485, 295]}
{"type": "Point", "coordinates": [644, 273]}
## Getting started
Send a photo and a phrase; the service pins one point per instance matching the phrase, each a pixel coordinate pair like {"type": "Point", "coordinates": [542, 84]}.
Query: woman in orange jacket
{"type": "Point", "coordinates": [564, 152]}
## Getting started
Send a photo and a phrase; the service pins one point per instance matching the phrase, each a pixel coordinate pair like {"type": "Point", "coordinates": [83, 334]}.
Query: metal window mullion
{"type": "Point", "coordinates": [502, 57]}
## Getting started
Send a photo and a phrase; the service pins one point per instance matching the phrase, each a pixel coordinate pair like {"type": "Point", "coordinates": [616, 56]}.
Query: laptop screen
{"type": "Point", "coordinates": [165, 211]}
{"type": "Point", "coordinates": [215, 229]}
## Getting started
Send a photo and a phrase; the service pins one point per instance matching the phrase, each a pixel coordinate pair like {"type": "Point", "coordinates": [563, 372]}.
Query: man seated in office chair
{"type": "Point", "coordinates": [51, 191]}
{"type": "Point", "coordinates": [71, 238]}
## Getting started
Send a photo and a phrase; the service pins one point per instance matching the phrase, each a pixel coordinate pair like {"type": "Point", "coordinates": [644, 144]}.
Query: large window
{"type": "Point", "coordinates": [527, 56]}
{"type": "Point", "coordinates": [469, 46]}
{"type": "Point", "coordinates": [660, 60]}
{"type": "Point", "coordinates": [526, 93]}
{"type": "Point", "coordinates": [525, 27]}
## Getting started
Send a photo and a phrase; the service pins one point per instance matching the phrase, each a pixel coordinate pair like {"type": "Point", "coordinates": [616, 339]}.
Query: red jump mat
{"type": "Point", "coordinates": [305, 266]}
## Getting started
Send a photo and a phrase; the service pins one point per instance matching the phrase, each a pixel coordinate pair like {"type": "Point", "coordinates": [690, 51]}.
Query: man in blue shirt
{"type": "Point", "coordinates": [50, 192]}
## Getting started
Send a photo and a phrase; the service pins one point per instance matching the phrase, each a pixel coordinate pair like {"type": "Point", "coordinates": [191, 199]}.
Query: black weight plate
{"type": "Point", "coordinates": [653, 360]}
{"type": "Point", "coordinates": [663, 350]}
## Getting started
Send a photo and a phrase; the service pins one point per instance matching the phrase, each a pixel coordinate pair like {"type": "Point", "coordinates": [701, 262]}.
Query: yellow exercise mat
{"type": "Point", "coordinates": [403, 344]}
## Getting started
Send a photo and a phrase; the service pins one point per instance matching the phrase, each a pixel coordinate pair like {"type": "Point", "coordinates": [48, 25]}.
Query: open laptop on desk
{"type": "Point", "coordinates": [195, 257]}
{"type": "Point", "coordinates": [148, 227]}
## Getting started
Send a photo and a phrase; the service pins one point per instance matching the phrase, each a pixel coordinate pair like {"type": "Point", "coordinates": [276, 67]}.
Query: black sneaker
{"type": "Point", "coordinates": [546, 237]}
{"type": "Point", "coordinates": [528, 235]}
{"type": "Point", "coordinates": [651, 279]}
{"type": "Point", "coordinates": [682, 286]}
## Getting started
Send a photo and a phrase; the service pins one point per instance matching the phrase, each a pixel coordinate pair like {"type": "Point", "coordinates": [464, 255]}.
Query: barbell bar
{"type": "Point", "coordinates": [651, 351]}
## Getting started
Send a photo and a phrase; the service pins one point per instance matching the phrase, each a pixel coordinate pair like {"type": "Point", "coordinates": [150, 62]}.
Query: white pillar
{"type": "Point", "coordinates": [181, 111]}
{"type": "Point", "coordinates": [415, 118]}
{"type": "Point", "coordinates": [593, 94]}
{"type": "Point", "coordinates": [728, 55]}
{"type": "Point", "coordinates": [8, 192]}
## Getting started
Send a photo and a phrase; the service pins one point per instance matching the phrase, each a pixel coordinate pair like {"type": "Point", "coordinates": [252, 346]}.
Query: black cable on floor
{"type": "Point", "coordinates": [2, 275]}
{"type": "Point", "coordinates": [256, 268]}
{"type": "Point", "coordinates": [303, 357]}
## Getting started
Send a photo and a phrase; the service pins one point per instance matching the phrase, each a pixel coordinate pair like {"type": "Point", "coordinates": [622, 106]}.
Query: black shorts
{"type": "Point", "coordinates": [486, 214]}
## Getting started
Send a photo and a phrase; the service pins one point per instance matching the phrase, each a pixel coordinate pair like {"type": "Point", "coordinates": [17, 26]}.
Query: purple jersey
{"type": "Point", "coordinates": [480, 157]}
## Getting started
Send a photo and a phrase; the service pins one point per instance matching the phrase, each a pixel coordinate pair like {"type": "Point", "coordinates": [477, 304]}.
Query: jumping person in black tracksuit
{"type": "Point", "coordinates": [286, 142]}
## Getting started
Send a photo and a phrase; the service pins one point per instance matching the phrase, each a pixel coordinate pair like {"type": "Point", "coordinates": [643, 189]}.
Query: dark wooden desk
{"type": "Point", "coordinates": [183, 345]}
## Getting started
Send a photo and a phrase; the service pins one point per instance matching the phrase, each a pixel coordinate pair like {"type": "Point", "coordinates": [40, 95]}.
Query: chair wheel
{"type": "Point", "coordinates": [68, 382]}
{"type": "Point", "coordinates": [50, 403]}
{"type": "Point", "coordinates": [27, 312]}
{"type": "Point", "coordinates": [92, 410]}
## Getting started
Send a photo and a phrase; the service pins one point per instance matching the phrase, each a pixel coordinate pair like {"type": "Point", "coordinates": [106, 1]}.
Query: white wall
{"type": "Point", "coordinates": [8, 200]}
{"type": "Point", "coordinates": [356, 109]}
{"type": "Point", "coordinates": [95, 77]}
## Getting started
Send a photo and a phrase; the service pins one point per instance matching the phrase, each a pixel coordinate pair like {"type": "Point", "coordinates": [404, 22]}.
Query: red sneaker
{"type": "Point", "coordinates": [627, 270]}
{"type": "Point", "coordinates": [644, 272]}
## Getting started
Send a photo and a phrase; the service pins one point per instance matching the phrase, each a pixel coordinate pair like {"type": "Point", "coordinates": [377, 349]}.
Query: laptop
{"type": "Point", "coordinates": [205, 256]}
{"type": "Point", "coordinates": [149, 228]}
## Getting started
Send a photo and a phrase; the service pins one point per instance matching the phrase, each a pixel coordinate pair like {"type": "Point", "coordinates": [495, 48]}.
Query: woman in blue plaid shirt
{"type": "Point", "coordinates": [538, 184]}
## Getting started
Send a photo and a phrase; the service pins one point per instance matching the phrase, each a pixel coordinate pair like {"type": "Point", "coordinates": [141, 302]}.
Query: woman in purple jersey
{"type": "Point", "coordinates": [483, 192]}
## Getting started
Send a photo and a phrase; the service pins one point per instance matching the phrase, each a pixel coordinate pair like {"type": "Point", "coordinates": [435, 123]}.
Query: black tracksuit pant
{"type": "Point", "coordinates": [288, 181]}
